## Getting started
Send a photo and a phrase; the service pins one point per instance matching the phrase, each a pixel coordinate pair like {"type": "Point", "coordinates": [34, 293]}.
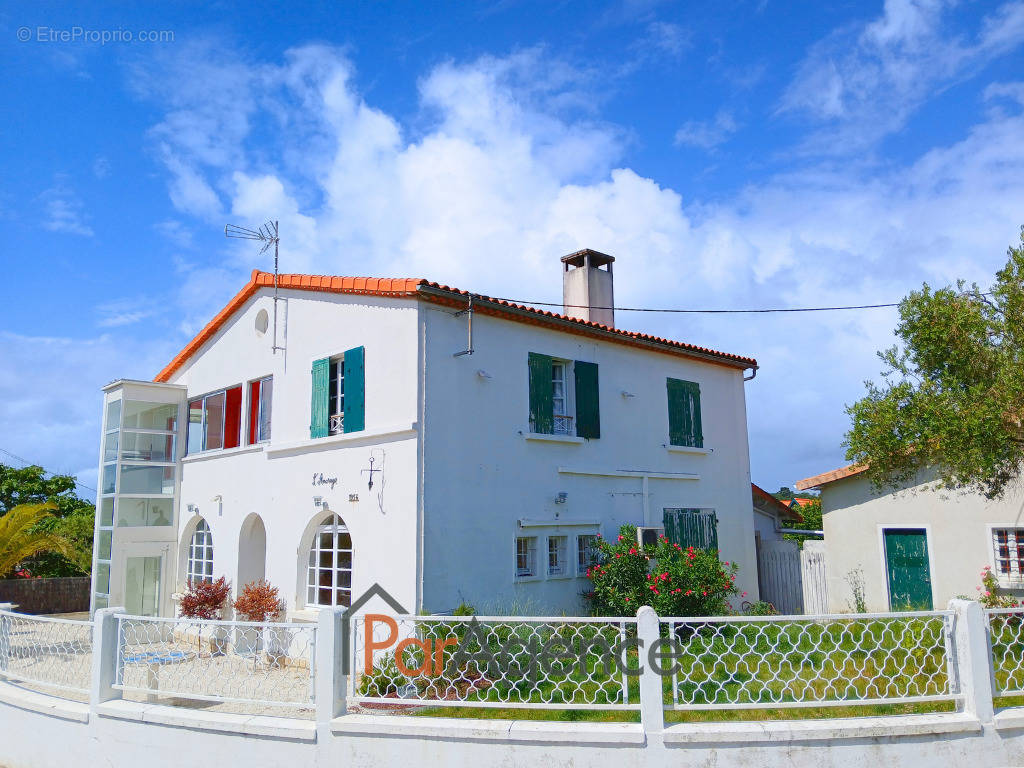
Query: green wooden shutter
{"type": "Point", "coordinates": [588, 410]}
{"type": "Point", "coordinates": [684, 420]}
{"type": "Point", "coordinates": [318, 409]}
{"type": "Point", "coordinates": [696, 433]}
{"type": "Point", "coordinates": [542, 418]}
{"type": "Point", "coordinates": [355, 390]}
{"type": "Point", "coordinates": [696, 528]}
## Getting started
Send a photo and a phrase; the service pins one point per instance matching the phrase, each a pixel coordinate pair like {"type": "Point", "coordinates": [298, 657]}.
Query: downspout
{"type": "Point", "coordinates": [421, 454]}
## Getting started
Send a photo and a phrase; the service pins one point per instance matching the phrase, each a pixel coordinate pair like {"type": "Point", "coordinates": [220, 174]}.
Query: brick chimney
{"type": "Point", "coordinates": [587, 287]}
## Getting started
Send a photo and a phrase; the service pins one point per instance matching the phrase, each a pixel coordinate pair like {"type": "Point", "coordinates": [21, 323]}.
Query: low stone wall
{"type": "Point", "coordinates": [36, 596]}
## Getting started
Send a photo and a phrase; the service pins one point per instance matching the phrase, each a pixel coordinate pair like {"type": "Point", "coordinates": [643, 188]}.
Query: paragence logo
{"type": "Point", "coordinates": [514, 656]}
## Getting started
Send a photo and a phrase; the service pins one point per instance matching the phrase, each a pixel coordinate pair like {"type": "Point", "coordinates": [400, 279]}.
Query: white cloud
{"type": "Point", "coordinates": [707, 134]}
{"type": "Point", "coordinates": [500, 168]}
{"type": "Point", "coordinates": [65, 211]}
{"type": "Point", "coordinates": [863, 81]}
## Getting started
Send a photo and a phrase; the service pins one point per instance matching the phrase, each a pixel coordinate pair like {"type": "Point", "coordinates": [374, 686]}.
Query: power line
{"type": "Point", "coordinates": [714, 311]}
{"type": "Point", "coordinates": [702, 311]}
{"type": "Point", "coordinates": [26, 462]}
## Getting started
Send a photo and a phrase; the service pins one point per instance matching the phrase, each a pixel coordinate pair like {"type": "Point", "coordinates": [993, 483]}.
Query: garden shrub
{"type": "Point", "coordinates": [204, 599]}
{"type": "Point", "coordinates": [259, 602]}
{"type": "Point", "coordinates": [672, 580]}
{"type": "Point", "coordinates": [989, 597]}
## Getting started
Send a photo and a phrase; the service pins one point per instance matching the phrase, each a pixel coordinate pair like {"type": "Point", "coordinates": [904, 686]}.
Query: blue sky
{"type": "Point", "coordinates": [736, 154]}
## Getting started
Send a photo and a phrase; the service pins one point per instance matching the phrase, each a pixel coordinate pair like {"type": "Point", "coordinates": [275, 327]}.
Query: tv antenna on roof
{"type": "Point", "coordinates": [267, 234]}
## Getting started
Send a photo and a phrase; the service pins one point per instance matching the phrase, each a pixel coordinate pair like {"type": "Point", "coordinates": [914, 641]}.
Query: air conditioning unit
{"type": "Point", "coordinates": [648, 535]}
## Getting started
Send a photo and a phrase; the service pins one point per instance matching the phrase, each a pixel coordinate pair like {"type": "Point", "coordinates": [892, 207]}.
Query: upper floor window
{"type": "Point", "coordinates": [215, 420]}
{"type": "Point", "coordinates": [336, 398]}
{"type": "Point", "coordinates": [260, 395]}
{"type": "Point", "coordinates": [1009, 553]}
{"type": "Point", "coordinates": [338, 394]}
{"type": "Point", "coordinates": [684, 422]}
{"type": "Point", "coordinates": [563, 397]}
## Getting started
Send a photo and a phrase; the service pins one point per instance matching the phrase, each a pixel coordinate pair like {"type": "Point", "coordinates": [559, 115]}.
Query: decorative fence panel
{"type": "Point", "coordinates": [1006, 646]}
{"type": "Point", "coordinates": [780, 578]}
{"type": "Point", "coordinates": [487, 661]}
{"type": "Point", "coordinates": [50, 652]}
{"type": "Point", "coordinates": [790, 661]}
{"type": "Point", "coordinates": [271, 664]}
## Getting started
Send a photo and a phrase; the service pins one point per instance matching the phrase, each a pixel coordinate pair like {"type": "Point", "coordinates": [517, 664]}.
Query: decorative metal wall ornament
{"type": "Point", "coordinates": [370, 471]}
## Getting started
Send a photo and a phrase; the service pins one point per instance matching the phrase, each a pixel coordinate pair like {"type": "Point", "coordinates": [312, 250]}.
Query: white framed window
{"type": "Point", "coordinates": [586, 551]}
{"type": "Point", "coordinates": [336, 396]}
{"type": "Point", "coordinates": [557, 565]}
{"type": "Point", "coordinates": [526, 556]}
{"type": "Point", "coordinates": [261, 394]}
{"type": "Point", "coordinates": [329, 571]}
{"type": "Point", "coordinates": [200, 555]}
{"type": "Point", "coordinates": [561, 397]}
{"type": "Point", "coordinates": [1008, 549]}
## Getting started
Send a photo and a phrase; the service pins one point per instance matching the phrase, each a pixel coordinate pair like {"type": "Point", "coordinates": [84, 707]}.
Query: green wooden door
{"type": "Point", "coordinates": [906, 566]}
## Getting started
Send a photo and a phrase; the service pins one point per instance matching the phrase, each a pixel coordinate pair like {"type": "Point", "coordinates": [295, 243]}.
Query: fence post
{"type": "Point", "coordinates": [104, 657]}
{"type": "Point", "coordinates": [330, 684]}
{"type": "Point", "coordinates": [5, 638]}
{"type": "Point", "coordinates": [973, 661]}
{"type": "Point", "coordinates": [652, 707]}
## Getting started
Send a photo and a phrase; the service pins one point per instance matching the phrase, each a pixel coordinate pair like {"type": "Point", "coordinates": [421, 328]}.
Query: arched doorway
{"type": "Point", "coordinates": [252, 551]}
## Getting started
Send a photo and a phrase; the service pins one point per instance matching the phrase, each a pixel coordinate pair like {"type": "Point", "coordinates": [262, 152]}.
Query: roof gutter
{"type": "Point", "coordinates": [496, 307]}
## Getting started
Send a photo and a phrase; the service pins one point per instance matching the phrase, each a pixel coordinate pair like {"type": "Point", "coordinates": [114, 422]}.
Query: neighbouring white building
{"type": "Point", "coordinates": [449, 446]}
{"type": "Point", "coordinates": [918, 546]}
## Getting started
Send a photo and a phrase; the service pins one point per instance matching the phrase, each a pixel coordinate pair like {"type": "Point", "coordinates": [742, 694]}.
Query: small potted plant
{"type": "Point", "coordinates": [261, 603]}
{"type": "Point", "coordinates": [205, 600]}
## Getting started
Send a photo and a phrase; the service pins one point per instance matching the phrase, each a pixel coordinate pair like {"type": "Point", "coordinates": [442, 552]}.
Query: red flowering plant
{"type": "Point", "coordinates": [673, 580]}
{"type": "Point", "coordinates": [204, 599]}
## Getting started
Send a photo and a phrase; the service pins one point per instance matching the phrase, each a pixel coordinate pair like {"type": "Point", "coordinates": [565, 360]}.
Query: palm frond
{"type": "Point", "coordinates": [18, 540]}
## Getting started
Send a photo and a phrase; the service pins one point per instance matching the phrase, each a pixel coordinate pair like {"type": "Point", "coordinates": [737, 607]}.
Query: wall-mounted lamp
{"type": "Point", "coordinates": [562, 497]}
{"type": "Point", "coordinates": [484, 374]}
{"type": "Point", "coordinates": [217, 499]}
{"type": "Point", "coordinates": [318, 501]}
{"type": "Point", "coordinates": [193, 509]}
{"type": "Point", "coordinates": [627, 395]}
{"type": "Point", "coordinates": [353, 497]}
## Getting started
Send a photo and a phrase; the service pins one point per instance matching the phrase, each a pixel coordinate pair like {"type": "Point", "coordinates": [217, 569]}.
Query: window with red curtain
{"type": "Point", "coordinates": [233, 418]}
{"type": "Point", "coordinates": [254, 411]}
{"type": "Point", "coordinates": [260, 392]}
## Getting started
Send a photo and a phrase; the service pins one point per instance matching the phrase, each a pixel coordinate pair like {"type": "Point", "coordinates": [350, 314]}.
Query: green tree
{"type": "Point", "coordinates": [810, 511]}
{"type": "Point", "coordinates": [22, 536]}
{"type": "Point", "coordinates": [71, 519]}
{"type": "Point", "coordinates": [952, 399]}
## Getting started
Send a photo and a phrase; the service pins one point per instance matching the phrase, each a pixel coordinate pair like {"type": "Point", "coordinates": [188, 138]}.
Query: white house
{"type": "Point", "coordinates": [449, 446]}
{"type": "Point", "coordinates": [916, 547]}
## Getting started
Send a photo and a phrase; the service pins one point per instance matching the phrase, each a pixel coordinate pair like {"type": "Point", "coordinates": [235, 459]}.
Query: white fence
{"type": "Point", "coordinates": [271, 664]}
{"type": "Point", "coordinates": [56, 653]}
{"type": "Point", "coordinates": [1006, 647]}
{"type": "Point", "coordinates": [792, 579]}
{"type": "Point", "coordinates": [492, 661]}
{"type": "Point", "coordinates": [743, 662]}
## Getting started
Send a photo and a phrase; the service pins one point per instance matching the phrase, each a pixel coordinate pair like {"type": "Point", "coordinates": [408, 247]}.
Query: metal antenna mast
{"type": "Point", "coordinates": [267, 234]}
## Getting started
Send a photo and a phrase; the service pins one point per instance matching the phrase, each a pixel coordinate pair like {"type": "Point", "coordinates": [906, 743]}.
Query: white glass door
{"type": "Point", "coordinates": [142, 586]}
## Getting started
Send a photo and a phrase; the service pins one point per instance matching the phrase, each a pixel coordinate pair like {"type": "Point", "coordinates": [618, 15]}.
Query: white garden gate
{"type": "Point", "coordinates": [791, 579]}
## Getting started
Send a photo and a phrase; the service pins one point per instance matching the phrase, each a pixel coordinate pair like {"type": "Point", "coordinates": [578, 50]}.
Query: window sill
{"type": "Point", "coordinates": [521, 579]}
{"type": "Point", "coordinates": [688, 449]}
{"type": "Point", "coordinates": [561, 576]}
{"type": "Point", "coordinates": [207, 455]}
{"type": "Point", "coordinates": [336, 441]}
{"type": "Point", "coordinates": [545, 438]}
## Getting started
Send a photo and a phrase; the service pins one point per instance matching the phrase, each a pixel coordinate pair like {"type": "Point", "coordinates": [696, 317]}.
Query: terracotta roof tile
{"type": "Point", "coordinates": [830, 477]}
{"type": "Point", "coordinates": [442, 294]}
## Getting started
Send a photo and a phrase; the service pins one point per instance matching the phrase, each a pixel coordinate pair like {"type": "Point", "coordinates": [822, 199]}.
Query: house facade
{"type": "Point", "coordinates": [447, 446]}
{"type": "Point", "coordinates": [918, 546]}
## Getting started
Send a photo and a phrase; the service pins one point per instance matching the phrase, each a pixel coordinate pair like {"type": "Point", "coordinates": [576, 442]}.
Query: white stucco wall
{"type": "Point", "coordinates": [483, 474]}
{"type": "Point", "coordinates": [275, 480]}
{"type": "Point", "coordinates": [958, 526]}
